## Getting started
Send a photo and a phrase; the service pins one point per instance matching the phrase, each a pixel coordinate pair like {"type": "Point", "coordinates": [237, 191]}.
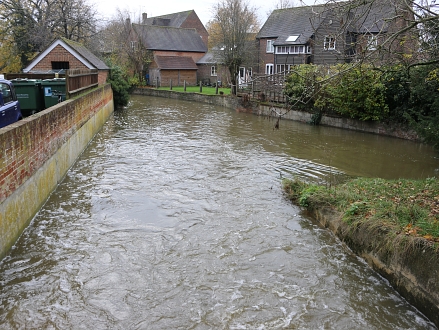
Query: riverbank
{"type": "Point", "coordinates": [392, 224]}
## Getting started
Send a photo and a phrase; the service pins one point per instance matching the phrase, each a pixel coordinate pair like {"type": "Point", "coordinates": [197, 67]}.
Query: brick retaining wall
{"type": "Point", "coordinates": [36, 153]}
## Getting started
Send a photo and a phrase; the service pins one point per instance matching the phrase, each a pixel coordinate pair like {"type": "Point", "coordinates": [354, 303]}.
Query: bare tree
{"type": "Point", "coordinates": [281, 4]}
{"type": "Point", "coordinates": [119, 43]}
{"type": "Point", "coordinates": [235, 25]}
{"type": "Point", "coordinates": [33, 24]}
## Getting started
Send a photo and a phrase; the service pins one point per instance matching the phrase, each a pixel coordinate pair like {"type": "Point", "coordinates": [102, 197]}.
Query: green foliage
{"type": "Point", "coordinates": [302, 86]}
{"type": "Point", "coordinates": [423, 111]}
{"type": "Point", "coordinates": [398, 94]}
{"type": "Point", "coordinates": [397, 82]}
{"type": "Point", "coordinates": [307, 193]}
{"type": "Point", "coordinates": [352, 91]}
{"type": "Point", "coordinates": [358, 93]}
{"type": "Point", "coordinates": [120, 85]}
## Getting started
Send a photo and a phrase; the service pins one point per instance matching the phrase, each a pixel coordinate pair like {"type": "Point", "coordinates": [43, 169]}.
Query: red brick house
{"type": "Point", "coordinates": [64, 54]}
{"type": "Point", "coordinates": [182, 20]}
{"type": "Point", "coordinates": [177, 42]}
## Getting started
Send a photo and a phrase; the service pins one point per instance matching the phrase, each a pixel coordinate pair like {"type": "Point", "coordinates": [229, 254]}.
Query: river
{"type": "Point", "coordinates": [174, 218]}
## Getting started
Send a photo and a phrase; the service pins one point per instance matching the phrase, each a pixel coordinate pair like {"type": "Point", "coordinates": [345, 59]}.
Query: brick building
{"type": "Point", "coordinates": [177, 41]}
{"type": "Point", "coordinates": [64, 54]}
{"type": "Point", "coordinates": [337, 32]}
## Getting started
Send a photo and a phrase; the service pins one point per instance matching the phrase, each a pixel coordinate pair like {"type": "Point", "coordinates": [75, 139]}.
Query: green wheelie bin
{"type": "Point", "coordinates": [29, 94]}
{"type": "Point", "coordinates": [54, 91]}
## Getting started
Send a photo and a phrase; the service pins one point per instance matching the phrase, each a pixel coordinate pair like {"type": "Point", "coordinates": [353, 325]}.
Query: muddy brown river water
{"type": "Point", "coordinates": [174, 218]}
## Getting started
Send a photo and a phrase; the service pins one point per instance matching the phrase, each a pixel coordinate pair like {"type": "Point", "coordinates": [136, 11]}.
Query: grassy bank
{"type": "Point", "coordinates": [196, 89]}
{"type": "Point", "coordinates": [406, 210]}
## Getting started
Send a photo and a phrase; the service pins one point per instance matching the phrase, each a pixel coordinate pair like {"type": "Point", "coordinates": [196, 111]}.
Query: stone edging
{"type": "Point", "coordinates": [414, 273]}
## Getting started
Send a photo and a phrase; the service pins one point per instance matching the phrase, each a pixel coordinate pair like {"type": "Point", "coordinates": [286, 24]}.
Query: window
{"type": "Point", "coordinates": [6, 93]}
{"type": "Point", "coordinates": [372, 42]}
{"type": "Point", "coordinates": [297, 49]}
{"type": "Point", "coordinates": [249, 72]}
{"type": "Point", "coordinates": [280, 68]}
{"type": "Point", "coordinates": [213, 71]}
{"type": "Point", "coordinates": [60, 65]}
{"type": "Point", "coordinates": [270, 46]}
{"type": "Point", "coordinates": [269, 68]}
{"type": "Point", "coordinates": [300, 49]}
{"type": "Point", "coordinates": [133, 45]}
{"type": "Point", "coordinates": [329, 43]}
{"type": "Point", "coordinates": [292, 38]}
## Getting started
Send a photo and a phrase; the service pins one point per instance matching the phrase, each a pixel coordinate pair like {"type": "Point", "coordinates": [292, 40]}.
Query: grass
{"type": "Point", "coordinates": [196, 89]}
{"type": "Point", "coordinates": [399, 207]}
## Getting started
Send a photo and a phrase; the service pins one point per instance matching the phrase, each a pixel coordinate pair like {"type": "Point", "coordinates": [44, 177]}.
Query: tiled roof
{"type": "Point", "coordinates": [86, 54]}
{"type": "Point", "coordinates": [175, 63]}
{"type": "Point", "coordinates": [209, 58]}
{"type": "Point", "coordinates": [304, 21]}
{"type": "Point", "coordinates": [81, 53]}
{"type": "Point", "coordinates": [374, 17]}
{"type": "Point", "coordinates": [299, 21]}
{"type": "Point", "coordinates": [169, 38]}
{"type": "Point", "coordinates": [172, 20]}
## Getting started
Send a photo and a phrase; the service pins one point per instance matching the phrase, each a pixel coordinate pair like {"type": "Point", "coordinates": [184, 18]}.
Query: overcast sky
{"type": "Point", "coordinates": [203, 8]}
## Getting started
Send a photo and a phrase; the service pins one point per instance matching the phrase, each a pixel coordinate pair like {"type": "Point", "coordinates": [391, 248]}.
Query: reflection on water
{"type": "Point", "coordinates": [173, 218]}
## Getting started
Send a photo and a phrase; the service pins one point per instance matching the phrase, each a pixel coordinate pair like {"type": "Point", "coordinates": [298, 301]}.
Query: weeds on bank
{"type": "Point", "coordinates": [398, 207]}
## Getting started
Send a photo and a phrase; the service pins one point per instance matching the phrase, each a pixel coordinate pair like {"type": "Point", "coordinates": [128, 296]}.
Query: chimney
{"type": "Point", "coordinates": [144, 17]}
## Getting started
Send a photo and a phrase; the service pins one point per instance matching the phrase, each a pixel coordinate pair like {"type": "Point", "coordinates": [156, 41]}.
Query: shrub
{"type": "Point", "coordinates": [303, 86]}
{"type": "Point", "coordinates": [121, 87]}
{"type": "Point", "coordinates": [358, 93]}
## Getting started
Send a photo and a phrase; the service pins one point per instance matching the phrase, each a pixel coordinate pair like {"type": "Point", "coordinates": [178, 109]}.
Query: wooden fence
{"type": "Point", "coordinates": [266, 87]}
{"type": "Point", "coordinates": [78, 81]}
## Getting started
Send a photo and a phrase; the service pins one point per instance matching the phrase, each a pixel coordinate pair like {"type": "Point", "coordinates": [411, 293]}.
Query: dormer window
{"type": "Point", "coordinates": [298, 49]}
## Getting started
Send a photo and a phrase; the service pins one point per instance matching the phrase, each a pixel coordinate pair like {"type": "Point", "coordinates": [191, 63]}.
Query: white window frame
{"type": "Point", "coordinates": [372, 42]}
{"type": "Point", "coordinates": [296, 49]}
{"type": "Point", "coordinates": [329, 42]}
{"type": "Point", "coordinates": [270, 46]}
{"type": "Point", "coordinates": [213, 71]}
{"type": "Point", "coordinates": [269, 68]}
{"type": "Point", "coordinates": [280, 68]}
{"type": "Point", "coordinates": [282, 49]}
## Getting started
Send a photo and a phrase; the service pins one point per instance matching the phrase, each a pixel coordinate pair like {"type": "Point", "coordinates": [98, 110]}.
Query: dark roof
{"type": "Point", "coordinates": [208, 58]}
{"type": "Point", "coordinates": [169, 38]}
{"type": "Point", "coordinates": [175, 63]}
{"type": "Point", "coordinates": [296, 21]}
{"type": "Point", "coordinates": [86, 54]}
{"type": "Point", "coordinates": [373, 17]}
{"type": "Point", "coordinates": [172, 20]}
{"type": "Point", "coordinates": [365, 17]}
